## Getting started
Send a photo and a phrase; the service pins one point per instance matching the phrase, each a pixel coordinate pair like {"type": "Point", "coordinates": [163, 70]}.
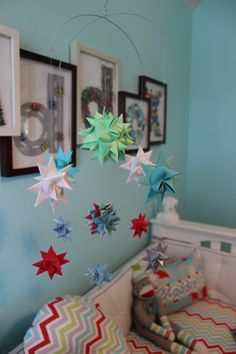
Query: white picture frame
{"type": "Point", "coordinates": [94, 93]}
{"type": "Point", "coordinates": [9, 82]}
{"type": "Point", "coordinates": [48, 114]}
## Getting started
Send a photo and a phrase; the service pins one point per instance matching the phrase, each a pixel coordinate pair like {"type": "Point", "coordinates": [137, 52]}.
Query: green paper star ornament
{"type": "Point", "coordinates": [107, 137]}
{"type": "Point", "coordinates": [159, 179]}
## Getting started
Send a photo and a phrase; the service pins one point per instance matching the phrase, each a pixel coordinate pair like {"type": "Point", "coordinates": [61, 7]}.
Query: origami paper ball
{"type": "Point", "coordinates": [102, 219]}
{"type": "Point", "coordinates": [139, 225]}
{"type": "Point", "coordinates": [107, 138]}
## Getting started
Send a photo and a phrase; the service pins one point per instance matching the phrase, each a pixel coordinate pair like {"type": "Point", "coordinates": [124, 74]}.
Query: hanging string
{"type": "Point", "coordinates": [105, 8]}
{"type": "Point", "coordinates": [106, 16]}
{"type": "Point", "coordinates": [72, 40]}
{"type": "Point", "coordinates": [98, 17]}
{"type": "Point", "coordinates": [164, 39]}
{"type": "Point", "coordinates": [105, 89]}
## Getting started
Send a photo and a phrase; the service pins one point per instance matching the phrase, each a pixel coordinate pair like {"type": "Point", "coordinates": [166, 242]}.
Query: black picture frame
{"type": "Point", "coordinates": [52, 125]}
{"type": "Point", "coordinates": [156, 91]}
{"type": "Point", "coordinates": [132, 108]}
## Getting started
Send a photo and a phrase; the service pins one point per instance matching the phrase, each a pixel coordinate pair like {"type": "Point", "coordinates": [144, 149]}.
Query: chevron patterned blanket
{"type": "Point", "coordinates": [211, 321]}
{"type": "Point", "coordinates": [140, 345]}
{"type": "Point", "coordinates": [68, 325]}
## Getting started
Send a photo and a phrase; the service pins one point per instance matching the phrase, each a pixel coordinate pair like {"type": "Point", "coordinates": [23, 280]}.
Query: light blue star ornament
{"type": "Point", "coordinates": [63, 159]}
{"type": "Point", "coordinates": [98, 274]}
{"type": "Point", "coordinates": [159, 179]}
{"type": "Point", "coordinates": [63, 229]}
{"type": "Point", "coordinates": [155, 259]}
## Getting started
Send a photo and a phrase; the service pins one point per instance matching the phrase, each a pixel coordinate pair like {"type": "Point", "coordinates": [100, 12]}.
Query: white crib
{"type": "Point", "coordinates": [181, 237]}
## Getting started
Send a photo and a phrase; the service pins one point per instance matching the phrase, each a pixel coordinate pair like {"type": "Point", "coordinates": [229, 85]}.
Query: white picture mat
{"type": "Point", "coordinates": [9, 81]}
{"type": "Point", "coordinates": [91, 76]}
{"type": "Point", "coordinates": [143, 105]}
{"type": "Point", "coordinates": [6, 79]}
{"type": "Point", "coordinates": [33, 86]}
{"type": "Point", "coordinates": [89, 62]}
{"type": "Point", "coordinates": [161, 109]}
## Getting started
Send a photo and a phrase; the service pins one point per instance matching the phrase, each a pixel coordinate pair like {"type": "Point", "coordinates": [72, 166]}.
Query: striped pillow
{"type": "Point", "coordinates": [180, 283]}
{"type": "Point", "coordinates": [70, 325]}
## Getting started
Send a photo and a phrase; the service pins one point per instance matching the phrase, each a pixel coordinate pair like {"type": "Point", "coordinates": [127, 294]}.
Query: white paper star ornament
{"type": "Point", "coordinates": [52, 184]}
{"type": "Point", "coordinates": [134, 164]}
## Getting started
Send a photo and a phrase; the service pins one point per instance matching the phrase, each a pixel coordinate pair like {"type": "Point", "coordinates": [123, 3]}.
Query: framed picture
{"type": "Point", "coordinates": [48, 114]}
{"type": "Point", "coordinates": [136, 111]}
{"type": "Point", "coordinates": [156, 91]}
{"type": "Point", "coordinates": [9, 82]}
{"type": "Point", "coordinates": [97, 81]}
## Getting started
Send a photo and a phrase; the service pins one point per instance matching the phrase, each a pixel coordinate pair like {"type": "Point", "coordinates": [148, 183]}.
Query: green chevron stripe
{"type": "Point", "coordinates": [63, 331]}
{"type": "Point", "coordinates": [108, 342]}
{"type": "Point", "coordinates": [89, 318]}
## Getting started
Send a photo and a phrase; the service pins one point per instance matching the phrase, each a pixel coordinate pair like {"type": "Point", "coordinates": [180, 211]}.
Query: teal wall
{"type": "Point", "coordinates": [211, 193]}
{"type": "Point", "coordinates": [25, 230]}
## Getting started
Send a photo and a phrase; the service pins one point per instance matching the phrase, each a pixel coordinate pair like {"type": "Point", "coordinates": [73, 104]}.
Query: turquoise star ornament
{"type": "Point", "coordinates": [63, 159]}
{"type": "Point", "coordinates": [159, 179]}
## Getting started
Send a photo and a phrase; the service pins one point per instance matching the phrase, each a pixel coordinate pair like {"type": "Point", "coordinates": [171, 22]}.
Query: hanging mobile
{"type": "Point", "coordinates": [106, 16]}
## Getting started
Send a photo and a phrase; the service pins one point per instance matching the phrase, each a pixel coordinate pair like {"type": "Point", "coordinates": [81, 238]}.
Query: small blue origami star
{"type": "Point", "coordinates": [98, 274]}
{"type": "Point", "coordinates": [155, 259]}
{"type": "Point", "coordinates": [63, 229]}
{"type": "Point", "coordinates": [63, 159]}
{"type": "Point", "coordinates": [159, 179]}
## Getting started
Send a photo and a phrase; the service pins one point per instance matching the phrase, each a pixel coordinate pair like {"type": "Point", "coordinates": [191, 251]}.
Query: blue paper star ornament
{"type": "Point", "coordinates": [63, 228]}
{"type": "Point", "coordinates": [159, 179]}
{"type": "Point", "coordinates": [98, 274]}
{"type": "Point", "coordinates": [155, 259]}
{"type": "Point", "coordinates": [63, 159]}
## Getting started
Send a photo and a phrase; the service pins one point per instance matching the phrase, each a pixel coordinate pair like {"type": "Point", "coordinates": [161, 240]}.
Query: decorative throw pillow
{"type": "Point", "coordinates": [70, 325]}
{"type": "Point", "coordinates": [180, 283]}
{"type": "Point", "coordinates": [116, 300]}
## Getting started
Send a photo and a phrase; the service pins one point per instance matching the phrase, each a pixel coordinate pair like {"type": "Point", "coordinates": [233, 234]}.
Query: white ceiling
{"type": "Point", "coordinates": [193, 3]}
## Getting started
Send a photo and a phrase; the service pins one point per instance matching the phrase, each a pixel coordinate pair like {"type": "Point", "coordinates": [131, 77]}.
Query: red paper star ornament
{"type": "Point", "coordinates": [51, 263]}
{"type": "Point", "coordinates": [139, 225]}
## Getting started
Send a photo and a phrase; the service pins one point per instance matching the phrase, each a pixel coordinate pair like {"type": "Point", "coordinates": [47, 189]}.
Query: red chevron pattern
{"type": "Point", "coordinates": [99, 330]}
{"type": "Point", "coordinates": [210, 321]}
{"type": "Point", "coordinates": [70, 325]}
{"type": "Point", "coordinates": [44, 324]}
{"type": "Point", "coordinates": [140, 345]}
